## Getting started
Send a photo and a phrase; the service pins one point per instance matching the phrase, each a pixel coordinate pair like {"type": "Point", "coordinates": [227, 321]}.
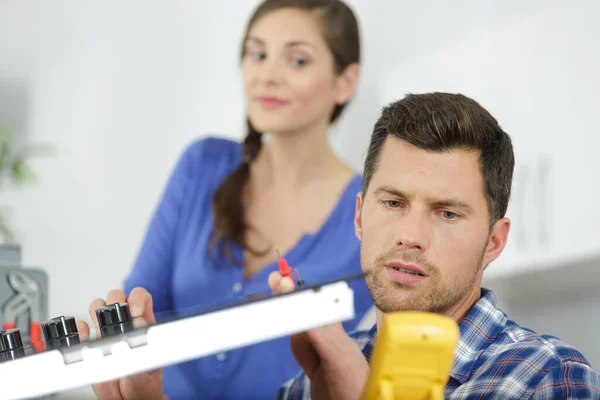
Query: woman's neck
{"type": "Point", "coordinates": [295, 160]}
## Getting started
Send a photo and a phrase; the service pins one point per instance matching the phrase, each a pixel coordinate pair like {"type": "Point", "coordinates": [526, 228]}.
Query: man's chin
{"type": "Point", "coordinates": [387, 308]}
{"type": "Point", "coordinates": [402, 300]}
{"type": "Point", "coordinates": [389, 304]}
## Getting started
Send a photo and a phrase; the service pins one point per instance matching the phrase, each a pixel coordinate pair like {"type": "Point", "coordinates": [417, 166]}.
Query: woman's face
{"type": "Point", "coordinates": [289, 79]}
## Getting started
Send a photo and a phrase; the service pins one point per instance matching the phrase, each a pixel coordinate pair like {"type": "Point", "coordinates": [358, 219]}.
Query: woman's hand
{"type": "Point", "coordinates": [147, 385]}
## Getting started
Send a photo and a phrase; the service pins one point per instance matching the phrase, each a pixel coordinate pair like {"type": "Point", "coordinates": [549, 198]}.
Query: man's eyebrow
{"type": "Point", "coordinates": [450, 202]}
{"type": "Point", "coordinates": [391, 191]}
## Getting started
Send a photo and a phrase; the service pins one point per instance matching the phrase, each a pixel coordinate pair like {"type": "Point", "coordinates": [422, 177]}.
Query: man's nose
{"type": "Point", "coordinates": [414, 231]}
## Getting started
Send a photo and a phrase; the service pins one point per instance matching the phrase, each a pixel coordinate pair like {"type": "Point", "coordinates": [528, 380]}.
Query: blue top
{"type": "Point", "coordinates": [176, 267]}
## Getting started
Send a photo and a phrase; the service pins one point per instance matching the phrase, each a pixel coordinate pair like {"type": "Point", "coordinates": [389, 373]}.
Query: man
{"type": "Point", "coordinates": [431, 218]}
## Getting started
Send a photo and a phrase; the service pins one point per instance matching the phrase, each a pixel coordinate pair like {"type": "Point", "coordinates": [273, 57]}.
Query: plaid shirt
{"type": "Point", "coordinates": [497, 359]}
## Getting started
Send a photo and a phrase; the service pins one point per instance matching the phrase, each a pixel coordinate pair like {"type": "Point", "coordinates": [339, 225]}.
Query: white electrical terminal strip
{"type": "Point", "coordinates": [176, 341]}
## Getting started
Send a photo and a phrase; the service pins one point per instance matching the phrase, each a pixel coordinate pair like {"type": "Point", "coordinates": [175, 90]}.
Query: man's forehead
{"type": "Point", "coordinates": [454, 173]}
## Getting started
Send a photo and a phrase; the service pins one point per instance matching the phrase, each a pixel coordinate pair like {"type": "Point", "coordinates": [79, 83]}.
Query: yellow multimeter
{"type": "Point", "coordinates": [412, 357]}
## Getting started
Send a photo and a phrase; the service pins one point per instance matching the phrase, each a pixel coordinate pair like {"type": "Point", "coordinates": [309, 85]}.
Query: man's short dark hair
{"type": "Point", "coordinates": [441, 122]}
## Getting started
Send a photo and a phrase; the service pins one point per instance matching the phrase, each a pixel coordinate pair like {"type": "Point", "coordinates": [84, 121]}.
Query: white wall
{"type": "Point", "coordinates": [119, 90]}
{"type": "Point", "coordinates": [543, 89]}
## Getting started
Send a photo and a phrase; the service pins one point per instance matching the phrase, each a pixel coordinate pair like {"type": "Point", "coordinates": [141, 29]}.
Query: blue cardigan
{"type": "Point", "coordinates": [174, 264]}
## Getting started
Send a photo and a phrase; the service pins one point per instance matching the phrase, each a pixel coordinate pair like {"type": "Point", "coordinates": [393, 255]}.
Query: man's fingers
{"type": "Point", "coordinates": [328, 338]}
{"type": "Point", "coordinates": [84, 331]}
{"type": "Point", "coordinates": [305, 353]}
{"type": "Point", "coordinates": [140, 305]}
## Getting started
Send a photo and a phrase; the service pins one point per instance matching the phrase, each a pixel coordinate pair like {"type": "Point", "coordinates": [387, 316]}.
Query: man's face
{"type": "Point", "coordinates": [424, 230]}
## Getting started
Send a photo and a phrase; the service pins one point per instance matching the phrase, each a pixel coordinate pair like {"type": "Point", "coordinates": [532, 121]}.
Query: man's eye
{"type": "Point", "coordinates": [449, 215]}
{"type": "Point", "coordinates": [392, 203]}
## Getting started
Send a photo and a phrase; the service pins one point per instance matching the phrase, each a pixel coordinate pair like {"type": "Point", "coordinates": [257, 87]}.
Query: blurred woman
{"type": "Point", "coordinates": [228, 205]}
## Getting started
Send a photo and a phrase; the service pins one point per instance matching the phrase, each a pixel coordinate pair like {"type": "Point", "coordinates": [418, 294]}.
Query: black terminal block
{"type": "Point", "coordinates": [60, 332]}
{"type": "Point", "coordinates": [11, 345]}
{"type": "Point", "coordinates": [114, 319]}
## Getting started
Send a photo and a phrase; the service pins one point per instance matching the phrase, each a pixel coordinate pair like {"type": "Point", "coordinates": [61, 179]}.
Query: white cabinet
{"type": "Point", "coordinates": [538, 77]}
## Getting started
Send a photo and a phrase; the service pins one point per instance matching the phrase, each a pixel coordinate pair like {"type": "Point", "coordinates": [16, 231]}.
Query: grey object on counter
{"type": "Point", "coordinates": [10, 255]}
{"type": "Point", "coordinates": [28, 302]}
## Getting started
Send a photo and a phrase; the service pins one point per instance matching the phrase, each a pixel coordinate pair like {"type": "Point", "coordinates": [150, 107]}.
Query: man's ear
{"type": "Point", "coordinates": [497, 240]}
{"type": "Point", "coordinates": [357, 216]}
{"type": "Point", "coordinates": [347, 83]}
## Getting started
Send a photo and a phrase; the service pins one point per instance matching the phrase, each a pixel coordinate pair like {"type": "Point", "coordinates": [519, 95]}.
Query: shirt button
{"type": "Point", "coordinates": [237, 287]}
{"type": "Point", "coordinates": [221, 356]}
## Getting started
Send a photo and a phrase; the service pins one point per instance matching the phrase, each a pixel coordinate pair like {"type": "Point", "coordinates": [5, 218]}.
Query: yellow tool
{"type": "Point", "coordinates": [412, 357]}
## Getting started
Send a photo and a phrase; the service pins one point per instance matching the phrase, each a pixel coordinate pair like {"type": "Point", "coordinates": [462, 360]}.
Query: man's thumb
{"type": "Point", "coordinates": [305, 354]}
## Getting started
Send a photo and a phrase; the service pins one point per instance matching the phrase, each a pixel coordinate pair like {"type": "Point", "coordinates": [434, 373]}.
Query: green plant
{"type": "Point", "coordinates": [15, 170]}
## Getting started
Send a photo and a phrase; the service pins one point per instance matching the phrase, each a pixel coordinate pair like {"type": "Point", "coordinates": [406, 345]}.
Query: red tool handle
{"type": "Point", "coordinates": [285, 270]}
{"type": "Point", "coordinates": [35, 332]}
{"type": "Point", "coordinates": [9, 325]}
{"type": "Point", "coordinates": [35, 336]}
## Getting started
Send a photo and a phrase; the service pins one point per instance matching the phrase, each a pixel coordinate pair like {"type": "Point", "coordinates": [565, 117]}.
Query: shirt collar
{"type": "Point", "coordinates": [478, 330]}
{"type": "Point", "coordinates": [369, 342]}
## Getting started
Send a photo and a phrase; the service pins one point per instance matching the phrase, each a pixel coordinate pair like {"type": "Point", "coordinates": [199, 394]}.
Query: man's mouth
{"type": "Point", "coordinates": [406, 268]}
{"type": "Point", "coordinates": [405, 273]}
{"type": "Point", "coordinates": [408, 271]}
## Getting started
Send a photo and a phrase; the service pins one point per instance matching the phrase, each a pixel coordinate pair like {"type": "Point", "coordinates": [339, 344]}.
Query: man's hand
{"type": "Point", "coordinates": [332, 361]}
{"type": "Point", "coordinates": [147, 385]}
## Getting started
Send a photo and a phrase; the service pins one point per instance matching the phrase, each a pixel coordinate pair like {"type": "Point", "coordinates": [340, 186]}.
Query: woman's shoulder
{"type": "Point", "coordinates": [354, 186]}
{"type": "Point", "coordinates": [340, 222]}
{"type": "Point", "coordinates": [213, 149]}
{"type": "Point", "coordinates": [206, 161]}
{"type": "Point", "coordinates": [355, 183]}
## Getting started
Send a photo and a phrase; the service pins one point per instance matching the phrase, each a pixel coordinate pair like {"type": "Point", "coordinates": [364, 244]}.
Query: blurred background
{"type": "Point", "coordinates": [118, 91]}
